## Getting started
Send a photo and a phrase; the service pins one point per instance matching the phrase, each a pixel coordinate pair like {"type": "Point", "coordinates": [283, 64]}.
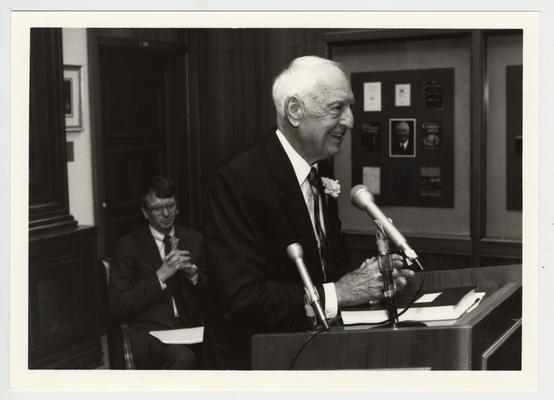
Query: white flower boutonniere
{"type": "Point", "coordinates": [331, 186]}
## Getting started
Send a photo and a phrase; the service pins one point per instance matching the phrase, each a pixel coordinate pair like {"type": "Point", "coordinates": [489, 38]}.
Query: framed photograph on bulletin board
{"type": "Point", "coordinates": [73, 98]}
{"type": "Point", "coordinates": [402, 137]}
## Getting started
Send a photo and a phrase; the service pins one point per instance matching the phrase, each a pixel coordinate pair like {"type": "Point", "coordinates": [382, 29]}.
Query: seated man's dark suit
{"type": "Point", "coordinates": [255, 209]}
{"type": "Point", "coordinates": [137, 297]}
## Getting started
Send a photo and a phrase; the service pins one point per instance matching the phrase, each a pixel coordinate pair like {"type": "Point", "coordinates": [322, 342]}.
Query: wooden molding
{"type": "Point", "coordinates": [422, 244]}
{"type": "Point", "coordinates": [48, 192]}
{"type": "Point", "coordinates": [366, 35]}
{"type": "Point", "coordinates": [445, 245]}
{"type": "Point", "coordinates": [501, 248]}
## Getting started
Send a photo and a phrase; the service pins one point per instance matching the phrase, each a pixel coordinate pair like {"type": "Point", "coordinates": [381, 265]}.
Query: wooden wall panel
{"type": "Point", "coordinates": [63, 300]}
{"type": "Point", "coordinates": [440, 253]}
{"type": "Point", "coordinates": [63, 327]}
{"type": "Point", "coordinates": [48, 197]}
{"type": "Point", "coordinates": [232, 73]}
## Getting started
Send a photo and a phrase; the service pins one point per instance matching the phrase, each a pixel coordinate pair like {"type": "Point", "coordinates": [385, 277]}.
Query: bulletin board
{"type": "Point", "coordinates": [392, 106]}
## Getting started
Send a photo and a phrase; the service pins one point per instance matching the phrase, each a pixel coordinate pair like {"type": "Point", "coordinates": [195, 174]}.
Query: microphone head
{"type": "Point", "coordinates": [295, 251]}
{"type": "Point", "coordinates": [361, 196]}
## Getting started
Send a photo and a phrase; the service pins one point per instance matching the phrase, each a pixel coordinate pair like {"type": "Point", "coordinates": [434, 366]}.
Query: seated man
{"type": "Point", "coordinates": [157, 280]}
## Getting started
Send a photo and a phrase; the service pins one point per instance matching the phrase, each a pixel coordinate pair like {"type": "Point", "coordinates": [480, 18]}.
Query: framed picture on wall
{"type": "Point", "coordinates": [72, 98]}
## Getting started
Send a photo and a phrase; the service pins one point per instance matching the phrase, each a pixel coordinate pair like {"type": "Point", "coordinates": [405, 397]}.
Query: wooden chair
{"type": "Point", "coordinates": [119, 346]}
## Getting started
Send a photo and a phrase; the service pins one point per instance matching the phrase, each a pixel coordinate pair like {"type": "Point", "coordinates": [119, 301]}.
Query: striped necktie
{"type": "Point", "coordinates": [317, 189]}
{"type": "Point", "coordinates": [172, 291]}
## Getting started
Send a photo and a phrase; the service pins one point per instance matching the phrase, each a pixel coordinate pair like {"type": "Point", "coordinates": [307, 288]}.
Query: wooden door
{"type": "Point", "coordinates": [142, 128]}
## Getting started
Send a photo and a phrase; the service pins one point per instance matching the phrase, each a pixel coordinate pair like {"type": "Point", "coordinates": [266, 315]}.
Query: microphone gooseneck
{"type": "Point", "coordinates": [296, 254]}
{"type": "Point", "coordinates": [362, 198]}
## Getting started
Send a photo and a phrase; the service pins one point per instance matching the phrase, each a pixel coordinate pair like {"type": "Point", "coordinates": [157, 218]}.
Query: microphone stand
{"type": "Point", "coordinates": [384, 259]}
{"type": "Point", "coordinates": [389, 286]}
{"type": "Point", "coordinates": [389, 289]}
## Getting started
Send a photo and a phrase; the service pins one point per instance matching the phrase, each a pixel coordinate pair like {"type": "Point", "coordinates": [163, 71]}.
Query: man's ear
{"type": "Point", "coordinates": [293, 110]}
{"type": "Point", "coordinates": [144, 212]}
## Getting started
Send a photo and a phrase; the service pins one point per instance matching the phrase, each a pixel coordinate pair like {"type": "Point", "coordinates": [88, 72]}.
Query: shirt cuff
{"type": "Point", "coordinates": [331, 301]}
{"type": "Point", "coordinates": [194, 280]}
{"type": "Point", "coordinates": [162, 284]}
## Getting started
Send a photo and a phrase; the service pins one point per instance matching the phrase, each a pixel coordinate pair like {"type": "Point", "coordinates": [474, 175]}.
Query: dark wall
{"type": "Point", "coordinates": [227, 100]}
{"type": "Point", "coordinates": [235, 70]}
{"type": "Point", "coordinates": [229, 73]}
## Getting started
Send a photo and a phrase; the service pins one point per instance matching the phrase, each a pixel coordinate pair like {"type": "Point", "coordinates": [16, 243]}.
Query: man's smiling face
{"type": "Point", "coordinates": [326, 118]}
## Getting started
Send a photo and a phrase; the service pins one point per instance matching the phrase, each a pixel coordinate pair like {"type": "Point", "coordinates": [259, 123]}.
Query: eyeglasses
{"type": "Point", "coordinates": [158, 210]}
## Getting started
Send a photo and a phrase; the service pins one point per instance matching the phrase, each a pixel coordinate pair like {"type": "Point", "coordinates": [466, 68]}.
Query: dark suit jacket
{"type": "Point", "coordinates": [255, 209]}
{"type": "Point", "coordinates": [399, 150]}
{"type": "Point", "coordinates": [136, 296]}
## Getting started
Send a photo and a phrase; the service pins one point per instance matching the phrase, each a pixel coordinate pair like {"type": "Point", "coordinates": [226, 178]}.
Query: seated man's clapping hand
{"type": "Point", "coordinates": [177, 260]}
{"type": "Point", "coordinates": [365, 284]}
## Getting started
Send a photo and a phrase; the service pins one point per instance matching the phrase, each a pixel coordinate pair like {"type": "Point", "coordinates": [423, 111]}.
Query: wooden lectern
{"type": "Point", "coordinates": [488, 337]}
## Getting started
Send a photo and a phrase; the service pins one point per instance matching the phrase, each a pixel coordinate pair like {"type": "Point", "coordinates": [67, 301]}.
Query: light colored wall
{"type": "Point", "coordinates": [501, 51]}
{"type": "Point", "coordinates": [79, 172]}
{"type": "Point", "coordinates": [403, 55]}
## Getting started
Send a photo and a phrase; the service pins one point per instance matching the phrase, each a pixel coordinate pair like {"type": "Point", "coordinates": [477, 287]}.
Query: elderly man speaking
{"type": "Point", "coordinates": [279, 192]}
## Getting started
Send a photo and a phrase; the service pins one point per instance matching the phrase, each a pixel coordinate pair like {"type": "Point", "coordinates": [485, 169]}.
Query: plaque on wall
{"type": "Point", "coordinates": [433, 94]}
{"type": "Point", "coordinates": [372, 96]}
{"type": "Point", "coordinates": [431, 135]}
{"type": "Point", "coordinates": [402, 95]}
{"type": "Point", "coordinates": [430, 182]}
{"type": "Point", "coordinates": [371, 136]}
{"type": "Point", "coordinates": [372, 179]}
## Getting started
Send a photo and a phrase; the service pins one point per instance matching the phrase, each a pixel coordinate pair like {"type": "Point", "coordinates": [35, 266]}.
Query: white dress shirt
{"type": "Point", "coordinates": [302, 170]}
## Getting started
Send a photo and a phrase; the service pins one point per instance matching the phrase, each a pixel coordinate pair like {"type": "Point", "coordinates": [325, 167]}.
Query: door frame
{"type": "Point", "coordinates": [178, 165]}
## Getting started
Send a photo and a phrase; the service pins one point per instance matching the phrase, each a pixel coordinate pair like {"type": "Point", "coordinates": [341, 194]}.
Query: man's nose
{"type": "Point", "coordinates": [347, 118]}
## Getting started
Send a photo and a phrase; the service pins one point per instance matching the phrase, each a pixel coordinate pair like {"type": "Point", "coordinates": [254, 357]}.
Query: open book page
{"type": "Point", "coordinates": [180, 336]}
{"type": "Point", "coordinates": [448, 304]}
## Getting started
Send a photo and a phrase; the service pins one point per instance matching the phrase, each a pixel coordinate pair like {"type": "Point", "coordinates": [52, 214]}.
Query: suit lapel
{"type": "Point", "coordinates": [149, 247]}
{"type": "Point", "coordinates": [292, 202]}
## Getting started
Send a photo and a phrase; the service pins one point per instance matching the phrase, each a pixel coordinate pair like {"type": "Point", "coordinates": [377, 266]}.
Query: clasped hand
{"type": "Point", "coordinates": [365, 284]}
{"type": "Point", "coordinates": [177, 260]}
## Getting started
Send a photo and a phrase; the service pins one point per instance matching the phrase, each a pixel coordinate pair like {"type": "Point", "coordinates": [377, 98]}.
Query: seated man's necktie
{"type": "Point", "coordinates": [171, 292]}
{"type": "Point", "coordinates": [167, 244]}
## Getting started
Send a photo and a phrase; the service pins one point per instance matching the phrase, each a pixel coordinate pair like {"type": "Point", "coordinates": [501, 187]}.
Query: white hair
{"type": "Point", "coordinates": [299, 79]}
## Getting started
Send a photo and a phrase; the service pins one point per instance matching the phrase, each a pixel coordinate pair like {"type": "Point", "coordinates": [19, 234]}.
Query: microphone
{"type": "Point", "coordinates": [296, 254]}
{"type": "Point", "coordinates": [362, 198]}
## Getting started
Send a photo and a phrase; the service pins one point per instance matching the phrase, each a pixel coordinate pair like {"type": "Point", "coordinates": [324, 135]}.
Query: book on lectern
{"type": "Point", "coordinates": [445, 304]}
